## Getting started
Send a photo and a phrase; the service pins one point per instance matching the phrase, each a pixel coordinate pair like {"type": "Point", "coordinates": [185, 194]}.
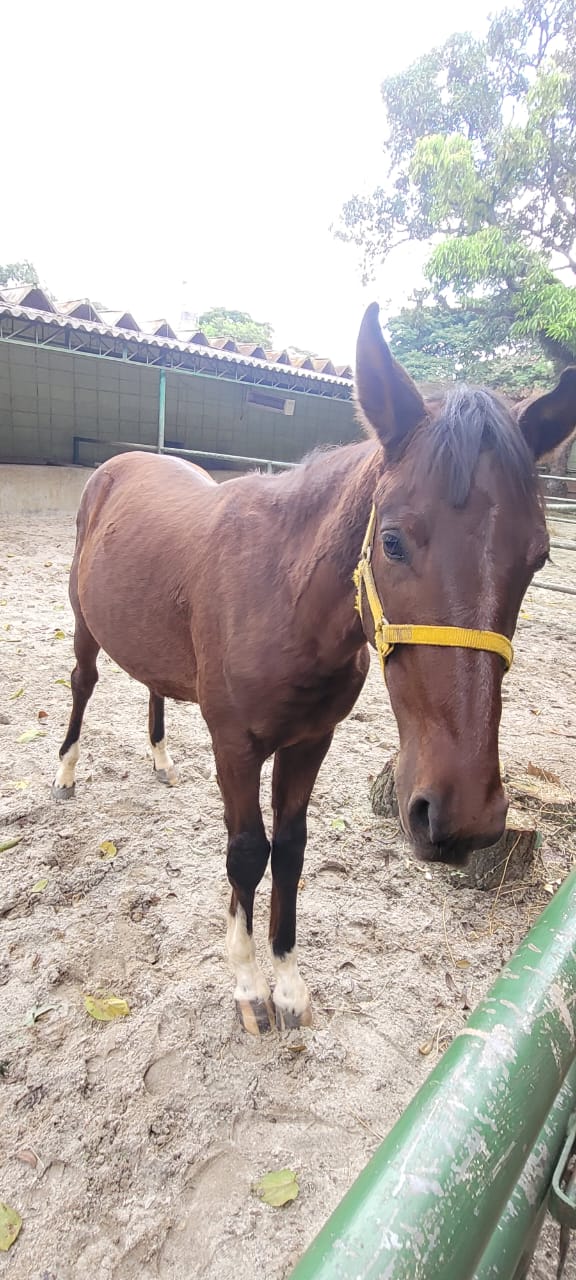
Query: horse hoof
{"type": "Point", "coordinates": [289, 1020]}
{"type": "Point", "coordinates": [63, 793]}
{"type": "Point", "coordinates": [256, 1016]}
{"type": "Point", "coordinates": [168, 776]}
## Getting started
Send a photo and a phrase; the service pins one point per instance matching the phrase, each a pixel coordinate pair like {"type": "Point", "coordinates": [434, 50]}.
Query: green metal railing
{"type": "Point", "coordinates": [458, 1188]}
{"type": "Point", "coordinates": [268, 464]}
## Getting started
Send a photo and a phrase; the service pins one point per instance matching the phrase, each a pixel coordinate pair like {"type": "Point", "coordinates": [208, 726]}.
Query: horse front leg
{"type": "Point", "coordinates": [295, 772]}
{"type": "Point", "coordinates": [238, 772]}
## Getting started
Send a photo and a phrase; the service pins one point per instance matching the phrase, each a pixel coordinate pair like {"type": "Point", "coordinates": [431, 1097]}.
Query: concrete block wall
{"type": "Point", "coordinates": [47, 397]}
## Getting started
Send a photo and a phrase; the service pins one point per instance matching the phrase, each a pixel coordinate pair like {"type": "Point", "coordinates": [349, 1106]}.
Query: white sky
{"type": "Point", "coordinates": [144, 145]}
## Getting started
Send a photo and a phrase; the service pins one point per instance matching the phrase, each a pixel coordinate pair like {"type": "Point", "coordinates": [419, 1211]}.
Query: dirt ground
{"type": "Point", "coordinates": [130, 1148]}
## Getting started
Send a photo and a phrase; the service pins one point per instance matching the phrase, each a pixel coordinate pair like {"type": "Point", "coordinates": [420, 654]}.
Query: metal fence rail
{"type": "Point", "coordinates": [430, 1201]}
{"type": "Point", "coordinates": [269, 464]}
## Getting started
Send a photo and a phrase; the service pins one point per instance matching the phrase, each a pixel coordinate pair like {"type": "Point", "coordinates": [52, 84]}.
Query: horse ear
{"type": "Point", "coordinates": [390, 401]}
{"type": "Point", "coordinates": [550, 419]}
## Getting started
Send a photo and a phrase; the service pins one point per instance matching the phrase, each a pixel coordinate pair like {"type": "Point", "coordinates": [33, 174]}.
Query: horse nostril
{"type": "Point", "coordinates": [419, 817]}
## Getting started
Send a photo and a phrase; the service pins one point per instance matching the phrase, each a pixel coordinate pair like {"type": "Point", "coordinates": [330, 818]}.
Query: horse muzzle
{"type": "Point", "coordinates": [439, 834]}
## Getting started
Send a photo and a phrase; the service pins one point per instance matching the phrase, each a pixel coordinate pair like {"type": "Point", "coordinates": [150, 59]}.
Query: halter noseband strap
{"type": "Point", "coordinates": [386, 636]}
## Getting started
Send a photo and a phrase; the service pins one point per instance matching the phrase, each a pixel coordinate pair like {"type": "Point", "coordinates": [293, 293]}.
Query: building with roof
{"type": "Point", "coordinates": [78, 383]}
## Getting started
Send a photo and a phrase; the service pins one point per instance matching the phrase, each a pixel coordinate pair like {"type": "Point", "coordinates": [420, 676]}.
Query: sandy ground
{"type": "Point", "coordinates": [129, 1148]}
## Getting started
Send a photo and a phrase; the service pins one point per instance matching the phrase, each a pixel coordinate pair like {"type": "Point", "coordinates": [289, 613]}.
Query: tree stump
{"type": "Point", "coordinates": [508, 861]}
{"type": "Point", "coordinates": [383, 792]}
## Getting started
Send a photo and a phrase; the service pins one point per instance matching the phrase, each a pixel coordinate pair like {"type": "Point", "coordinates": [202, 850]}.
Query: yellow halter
{"type": "Point", "coordinates": [386, 636]}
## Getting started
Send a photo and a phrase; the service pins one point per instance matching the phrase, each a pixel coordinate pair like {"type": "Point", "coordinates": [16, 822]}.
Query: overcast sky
{"type": "Point", "coordinates": [147, 145]}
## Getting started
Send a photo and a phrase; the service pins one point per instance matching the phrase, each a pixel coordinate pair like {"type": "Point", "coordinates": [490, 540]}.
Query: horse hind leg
{"type": "Point", "coordinates": [164, 770]}
{"type": "Point", "coordinates": [83, 681]}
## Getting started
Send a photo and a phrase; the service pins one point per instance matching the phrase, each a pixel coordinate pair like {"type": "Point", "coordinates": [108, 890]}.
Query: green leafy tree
{"type": "Point", "coordinates": [221, 323]}
{"type": "Point", "coordinates": [481, 163]}
{"type": "Point", "coordinates": [438, 343]}
{"type": "Point", "coordinates": [16, 273]}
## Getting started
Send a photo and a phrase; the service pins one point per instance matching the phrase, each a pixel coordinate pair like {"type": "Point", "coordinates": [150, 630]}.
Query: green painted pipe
{"type": "Point", "coordinates": [161, 409]}
{"type": "Point", "coordinates": [519, 1227]}
{"type": "Point", "coordinates": [428, 1202]}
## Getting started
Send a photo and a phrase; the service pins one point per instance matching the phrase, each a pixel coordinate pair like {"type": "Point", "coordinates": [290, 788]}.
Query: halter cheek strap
{"type": "Point", "coordinates": [386, 636]}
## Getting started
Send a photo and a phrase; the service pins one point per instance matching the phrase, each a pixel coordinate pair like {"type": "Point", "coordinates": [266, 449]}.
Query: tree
{"type": "Point", "coordinates": [438, 343]}
{"type": "Point", "coordinates": [482, 164]}
{"type": "Point", "coordinates": [15, 273]}
{"type": "Point", "coordinates": [221, 323]}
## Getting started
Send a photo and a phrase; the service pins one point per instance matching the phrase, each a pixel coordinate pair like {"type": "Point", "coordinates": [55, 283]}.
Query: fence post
{"type": "Point", "coordinates": [161, 410]}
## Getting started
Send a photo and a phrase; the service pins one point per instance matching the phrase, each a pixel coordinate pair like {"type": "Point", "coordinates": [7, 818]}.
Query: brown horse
{"type": "Point", "coordinates": [240, 597]}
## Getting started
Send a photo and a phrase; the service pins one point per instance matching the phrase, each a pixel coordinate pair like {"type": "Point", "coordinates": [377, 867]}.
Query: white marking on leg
{"type": "Point", "coordinates": [67, 767]}
{"type": "Point", "coordinates": [250, 981]}
{"type": "Point", "coordinates": [161, 755]}
{"type": "Point", "coordinates": [290, 992]}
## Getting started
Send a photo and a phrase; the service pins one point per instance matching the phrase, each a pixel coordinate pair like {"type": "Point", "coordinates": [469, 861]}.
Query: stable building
{"type": "Point", "coordinates": [78, 384]}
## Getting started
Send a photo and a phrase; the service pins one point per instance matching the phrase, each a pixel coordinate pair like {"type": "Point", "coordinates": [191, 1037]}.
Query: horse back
{"type": "Point", "coordinates": [139, 528]}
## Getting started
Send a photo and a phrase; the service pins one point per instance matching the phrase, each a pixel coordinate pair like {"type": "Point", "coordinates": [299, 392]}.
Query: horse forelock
{"type": "Point", "coordinates": [470, 421]}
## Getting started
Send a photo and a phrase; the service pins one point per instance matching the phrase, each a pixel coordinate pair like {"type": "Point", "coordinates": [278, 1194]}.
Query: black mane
{"type": "Point", "coordinates": [471, 420]}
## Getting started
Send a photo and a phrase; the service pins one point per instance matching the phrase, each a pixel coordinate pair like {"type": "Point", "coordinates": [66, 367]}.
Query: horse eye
{"type": "Point", "coordinates": [393, 548]}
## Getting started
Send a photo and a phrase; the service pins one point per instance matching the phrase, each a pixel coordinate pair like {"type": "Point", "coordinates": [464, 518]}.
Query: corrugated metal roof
{"type": "Point", "coordinates": [160, 328]}
{"type": "Point", "coordinates": [29, 295]}
{"type": "Point", "coordinates": [82, 308]}
{"type": "Point", "coordinates": [32, 297]}
{"type": "Point", "coordinates": [251, 349]}
{"type": "Point", "coordinates": [120, 320]}
{"type": "Point", "coordinates": [200, 347]}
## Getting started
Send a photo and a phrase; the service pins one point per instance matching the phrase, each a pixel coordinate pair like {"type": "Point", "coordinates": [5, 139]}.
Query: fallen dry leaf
{"type": "Point", "coordinates": [545, 775]}
{"type": "Point", "coordinates": [17, 694]}
{"type": "Point", "coordinates": [59, 634]}
{"type": "Point", "coordinates": [27, 1156]}
{"type": "Point", "coordinates": [108, 850]}
{"type": "Point", "coordinates": [10, 1224]}
{"type": "Point", "coordinates": [30, 734]}
{"type": "Point", "coordinates": [106, 1008]}
{"type": "Point", "coordinates": [10, 844]}
{"type": "Point", "coordinates": [277, 1188]}
{"type": "Point", "coordinates": [36, 1012]}
{"type": "Point", "coordinates": [39, 887]}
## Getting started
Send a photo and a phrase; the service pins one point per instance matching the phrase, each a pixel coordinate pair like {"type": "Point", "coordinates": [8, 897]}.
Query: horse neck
{"type": "Point", "coordinates": [332, 510]}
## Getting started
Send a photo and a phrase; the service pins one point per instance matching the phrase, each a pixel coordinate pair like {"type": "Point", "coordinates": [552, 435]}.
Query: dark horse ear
{"type": "Point", "coordinates": [390, 401]}
{"type": "Point", "coordinates": [550, 419]}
